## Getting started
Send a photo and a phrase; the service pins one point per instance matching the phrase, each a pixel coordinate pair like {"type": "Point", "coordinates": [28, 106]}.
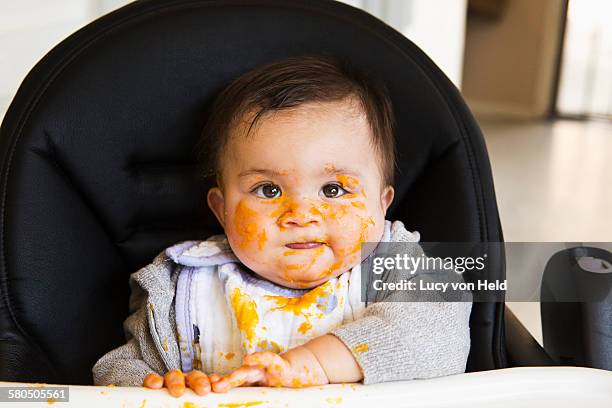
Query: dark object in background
{"type": "Point", "coordinates": [487, 9]}
{"type": "Point", "coordinates": [576, 308]}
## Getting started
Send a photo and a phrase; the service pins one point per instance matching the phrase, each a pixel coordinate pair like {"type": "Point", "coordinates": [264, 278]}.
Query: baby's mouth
{"type": "Point", "coordinates": [304, 245]}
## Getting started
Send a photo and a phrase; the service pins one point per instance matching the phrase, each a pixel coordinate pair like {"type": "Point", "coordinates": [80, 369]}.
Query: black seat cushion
{"type": "Point", "coordinates": [98, 171]}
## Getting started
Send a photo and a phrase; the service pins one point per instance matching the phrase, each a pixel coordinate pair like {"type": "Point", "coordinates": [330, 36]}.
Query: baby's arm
{"type": "Point", "coordinates": [320, 361]}
{"type": "Point", "coordinates": [123, 366]}
{"type": "Point", "coordinates": [128, 364]}
{"type": "Point", "coordinates": [329, 353]}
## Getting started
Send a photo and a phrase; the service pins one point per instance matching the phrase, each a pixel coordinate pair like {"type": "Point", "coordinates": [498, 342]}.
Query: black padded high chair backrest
{"type": "Point", "coordinates": [97, 167]}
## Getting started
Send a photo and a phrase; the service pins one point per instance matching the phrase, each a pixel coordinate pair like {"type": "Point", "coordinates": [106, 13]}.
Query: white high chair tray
{"type": "Point", "coordinates": [554, 387]}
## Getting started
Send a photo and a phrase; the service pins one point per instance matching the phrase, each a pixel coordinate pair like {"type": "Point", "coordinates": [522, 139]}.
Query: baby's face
{"type": "Point", "coordinates": [301, 193]}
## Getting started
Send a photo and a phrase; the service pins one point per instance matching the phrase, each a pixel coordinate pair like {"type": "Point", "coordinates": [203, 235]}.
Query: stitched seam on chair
{"type": "Point", "coordinates": [53, 158]}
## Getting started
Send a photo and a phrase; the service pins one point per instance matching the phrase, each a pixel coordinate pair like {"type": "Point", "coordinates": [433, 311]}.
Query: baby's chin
{"type": "Point", "coordinates": [288, 271]}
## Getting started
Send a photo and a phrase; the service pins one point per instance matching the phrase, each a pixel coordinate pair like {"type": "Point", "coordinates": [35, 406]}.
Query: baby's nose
{"type": "Point", "coordinates": [300, 215]}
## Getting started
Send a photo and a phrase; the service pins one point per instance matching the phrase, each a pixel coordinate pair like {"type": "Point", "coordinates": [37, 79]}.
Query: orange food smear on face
{"type": "Point", "coordinates": [365, 223]}
{"type": "Point", "coordinates": [262, 239]}
{"type": "Point", "coordinates": [247, 225]}
{"type": "Point", "coordinates": [348, 180]}
{"type": "Point", "coordinates": [330, 168]}
{"type": "Point", "coordinates": [351, 182]}
{"type": "Point", "coordinates": [315, 211]}
{"type": "Point", "coordinates": [229, 356]}
{"type": "Point", "coordinates": [295, 266]}
{"type": "Point", "coordinates": [330, 271]}
{"type": "Point", "coordinates": [244, 219]}
{"type": "Point", "coordinates": [338, 212]}
{"type": "Point", "coordinates": [361, 348]}
{"type": "Point", "coordinates": [245, 310]}
{"type": "Point", "coordinates": [283, 205]}
{"type": "Point", "coordinates": [305, 327]}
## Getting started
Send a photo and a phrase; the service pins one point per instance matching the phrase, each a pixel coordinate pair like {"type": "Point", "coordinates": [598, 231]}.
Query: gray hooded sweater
{"type": "Point", "coordinates": [409, 335]}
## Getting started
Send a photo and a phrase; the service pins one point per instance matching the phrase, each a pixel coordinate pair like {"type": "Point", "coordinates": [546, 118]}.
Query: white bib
{"type": "Point", "coordinates": [224, 312]}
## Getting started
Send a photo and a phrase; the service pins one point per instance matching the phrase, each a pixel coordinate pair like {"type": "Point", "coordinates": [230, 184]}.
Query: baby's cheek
{"type": "Point", "coordinates": [246, 228]}
{"type": "Point", "coordinates": [350, 230]}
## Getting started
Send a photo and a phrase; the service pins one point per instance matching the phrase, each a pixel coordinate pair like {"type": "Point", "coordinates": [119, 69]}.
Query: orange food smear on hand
{"type": "Point", "coordinates": [295, 383]}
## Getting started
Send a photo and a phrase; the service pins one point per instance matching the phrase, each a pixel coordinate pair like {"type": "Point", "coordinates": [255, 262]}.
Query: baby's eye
{"type": "Point", "coordinates": [333, 190]}
{"type": "Point", "coordinates": [267, 190]}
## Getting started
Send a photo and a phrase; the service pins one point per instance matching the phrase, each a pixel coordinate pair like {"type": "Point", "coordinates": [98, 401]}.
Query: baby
{"type": "Point", "coordinates": [303, 151]}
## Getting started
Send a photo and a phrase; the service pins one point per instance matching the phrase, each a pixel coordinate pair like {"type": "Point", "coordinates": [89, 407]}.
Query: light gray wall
{"type": "Point", "coordinates": [30, 28]}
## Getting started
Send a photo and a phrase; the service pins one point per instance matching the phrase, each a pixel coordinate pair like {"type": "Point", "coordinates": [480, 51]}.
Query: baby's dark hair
{"type": "Point", "coordinates": [287, 84]}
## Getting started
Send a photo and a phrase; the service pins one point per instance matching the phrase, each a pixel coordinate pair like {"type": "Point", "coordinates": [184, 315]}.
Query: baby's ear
{"type": "Point", "coordinates": [216, 202]}
{"type": "Point", "coordinates": [386, 197]}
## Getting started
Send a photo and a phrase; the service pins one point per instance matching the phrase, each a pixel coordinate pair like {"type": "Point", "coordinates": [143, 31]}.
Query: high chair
{"type": "Point", "coordinates": [98, 171]}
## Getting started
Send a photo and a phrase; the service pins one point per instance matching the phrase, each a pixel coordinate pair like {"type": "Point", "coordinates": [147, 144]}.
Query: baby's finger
{"type": "Point", "coordinates": [254, 375]}
{"type": "Point", "coordinates": [214, 377]}
{"type": "Point", "coordinates": [153, 380]}
{"type": "Point", "coordinates": [198, 382]}
{"type": "Point", "coordinates": [221, 385]}
{"type": "Point", "coordinates": [228, 382]}
{"type": "Point", "coordinates": [175, 382]}
{"type": "Point", "coordinates": [241, 376]}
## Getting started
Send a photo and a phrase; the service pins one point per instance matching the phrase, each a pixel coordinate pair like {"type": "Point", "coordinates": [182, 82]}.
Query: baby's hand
{"type": "Point", "coordinates": [267, 369]}
{"type": "Point", "coordinates": [175, 381]}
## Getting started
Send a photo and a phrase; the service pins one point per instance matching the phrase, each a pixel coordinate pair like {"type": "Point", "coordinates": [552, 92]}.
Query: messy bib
{"type": "Point", "coordinates": [224, 311]}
